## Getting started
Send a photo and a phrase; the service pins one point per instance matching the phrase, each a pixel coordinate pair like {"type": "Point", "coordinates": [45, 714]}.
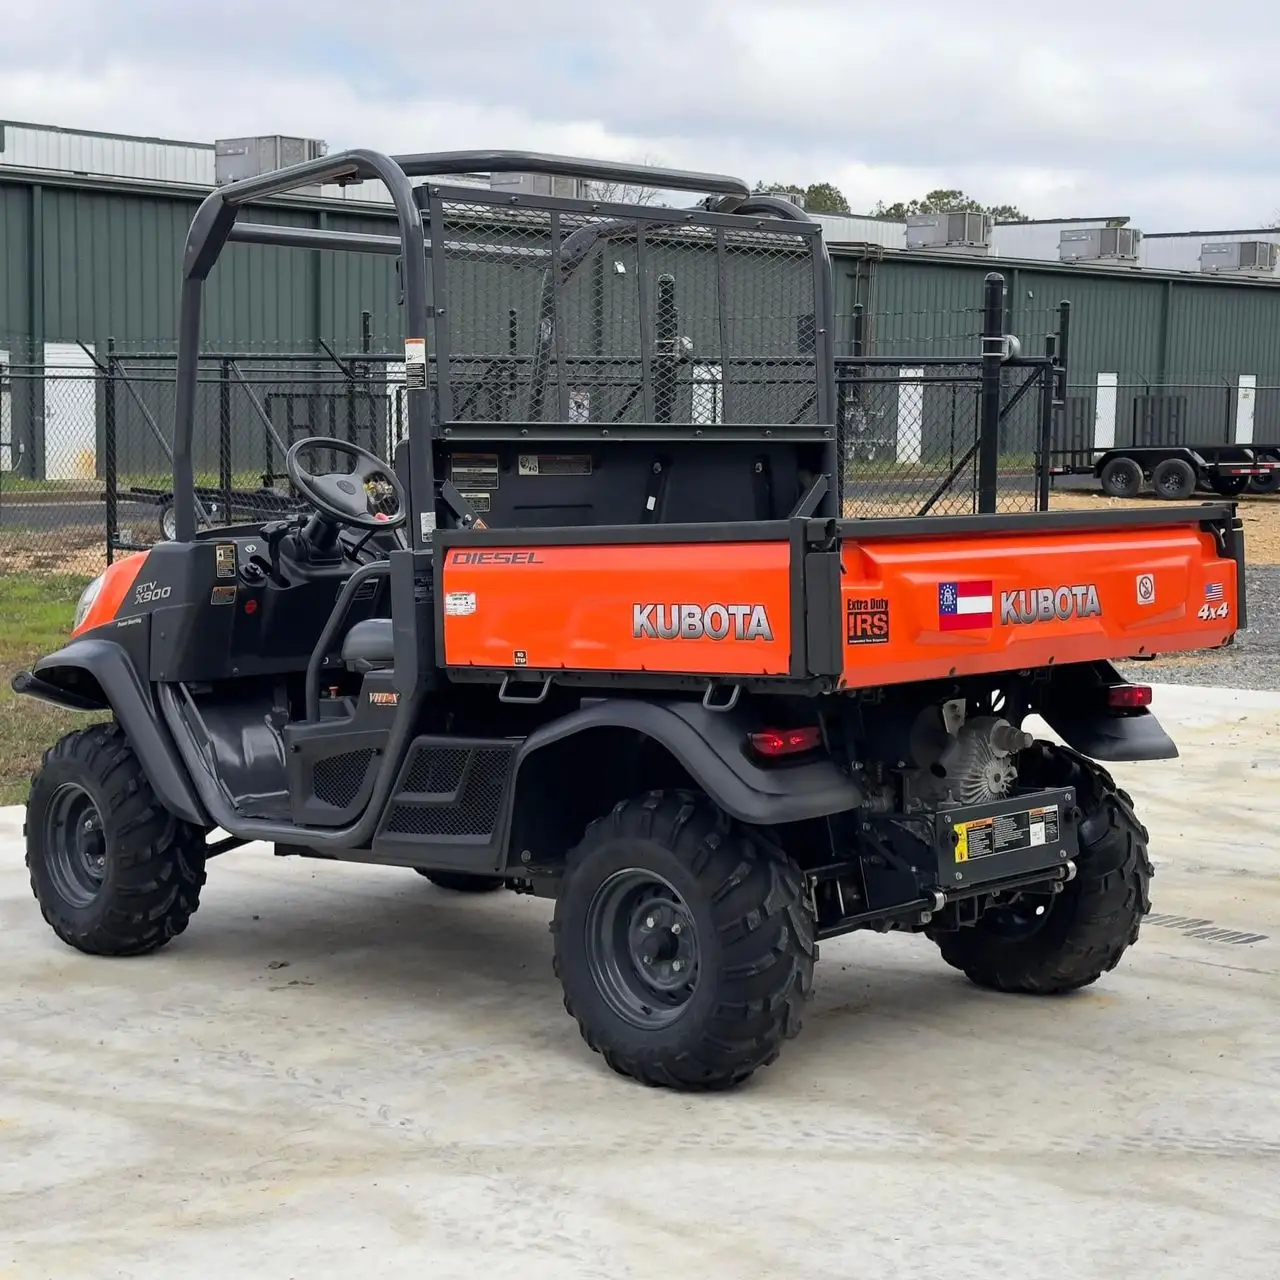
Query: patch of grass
{"type": "Point", "coordinates": [36, 612]}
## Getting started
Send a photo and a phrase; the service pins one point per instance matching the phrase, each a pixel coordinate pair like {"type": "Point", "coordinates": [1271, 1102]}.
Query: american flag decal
{"type": "Point", "coordinates": [964, 606]}
{"type": "Point", "coordinates": [1213, 591]}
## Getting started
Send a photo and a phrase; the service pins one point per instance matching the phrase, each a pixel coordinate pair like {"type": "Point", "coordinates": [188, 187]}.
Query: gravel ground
{"type": "Point", "coordinates": [1252, 662]}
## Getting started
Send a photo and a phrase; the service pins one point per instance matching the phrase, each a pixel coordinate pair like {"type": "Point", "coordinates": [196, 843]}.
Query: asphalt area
{"type": "Point", "coordinates": [342, 1071]}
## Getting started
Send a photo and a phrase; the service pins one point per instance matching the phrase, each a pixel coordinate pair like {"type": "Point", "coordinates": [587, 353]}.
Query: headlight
{"type": "Point", "coordinates": [87, 597]}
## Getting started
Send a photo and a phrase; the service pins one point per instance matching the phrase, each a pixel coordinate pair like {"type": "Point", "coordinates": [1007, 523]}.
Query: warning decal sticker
{"type": "Point", "coordinates": [1006, 833]}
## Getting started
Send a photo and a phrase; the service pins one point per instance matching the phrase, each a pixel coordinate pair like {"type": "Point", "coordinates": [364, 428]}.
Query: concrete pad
{"type": "Point", "coordinates": [341, 1071]}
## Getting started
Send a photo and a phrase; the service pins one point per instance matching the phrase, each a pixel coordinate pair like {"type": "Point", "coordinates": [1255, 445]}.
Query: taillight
{"type": "Point", "coordinates": [785, 742]}
{"type": "Point", "coordinates": [1128, 696]}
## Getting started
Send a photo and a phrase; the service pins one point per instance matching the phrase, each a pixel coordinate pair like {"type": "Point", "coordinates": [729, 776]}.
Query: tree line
{"type": "Point", "coordinates": [825, 197]}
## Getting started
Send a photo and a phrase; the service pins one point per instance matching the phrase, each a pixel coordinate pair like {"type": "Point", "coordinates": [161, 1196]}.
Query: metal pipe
{"type": "Point", "coordinates": [989, 403]}
{"type": "Point", "coordinates": [209, 232]}
{"type": "Point", "coordinates": [432, 164]}
{"type": "Point", "coordinates": [311, 238]}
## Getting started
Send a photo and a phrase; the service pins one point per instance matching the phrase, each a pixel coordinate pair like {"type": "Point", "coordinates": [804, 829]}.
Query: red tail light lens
{"type": "Point", "coordinates": [1128, 696]}
{"type": "Point", "coordinates": [785, 742]}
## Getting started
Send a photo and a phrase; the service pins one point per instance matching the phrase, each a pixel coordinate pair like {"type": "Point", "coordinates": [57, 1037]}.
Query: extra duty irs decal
{"type": "Point", "coordinates": [867, 620]}
{"type": "Point", "coordinates": [700, 622]}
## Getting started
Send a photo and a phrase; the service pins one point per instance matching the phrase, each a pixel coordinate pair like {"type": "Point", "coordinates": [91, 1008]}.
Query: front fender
{"type": "Point", "coordinates": [709, 745]}
{"type": "Point", "coordinates": [114, 684]}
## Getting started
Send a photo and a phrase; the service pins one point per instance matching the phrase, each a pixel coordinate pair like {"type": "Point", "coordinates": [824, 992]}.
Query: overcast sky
{"type": "Point", "coordinates": [1167, 113]}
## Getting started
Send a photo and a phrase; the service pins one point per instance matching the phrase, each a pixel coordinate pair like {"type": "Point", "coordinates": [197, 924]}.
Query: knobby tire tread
{"type": "Point", "coordinates": [765, 926]}
{"type": "Point", "coordinates": [158, 861]}
{"type": "Point", "coordinates": [1101, 910]}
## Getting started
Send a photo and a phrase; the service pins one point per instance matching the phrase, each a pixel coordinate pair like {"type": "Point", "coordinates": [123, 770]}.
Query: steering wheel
{"type": "Point", "coordinates": [344, 496]}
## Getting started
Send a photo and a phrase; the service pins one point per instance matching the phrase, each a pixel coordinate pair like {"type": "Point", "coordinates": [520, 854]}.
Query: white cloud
{"type": "Point", "coordinates": [1164, 114]}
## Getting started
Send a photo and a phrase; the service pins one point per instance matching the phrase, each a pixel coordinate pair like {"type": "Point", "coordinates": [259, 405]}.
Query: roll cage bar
{"type": "Point", "coordinates": [215, 224]}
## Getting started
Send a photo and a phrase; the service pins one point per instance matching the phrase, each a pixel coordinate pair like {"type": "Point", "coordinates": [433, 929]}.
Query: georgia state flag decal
{"type": "Point", "coordinates": [964, 606]}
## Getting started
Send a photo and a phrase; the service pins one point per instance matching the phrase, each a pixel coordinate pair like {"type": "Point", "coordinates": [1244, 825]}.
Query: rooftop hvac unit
{"type": "Point", "coordinates": [237, 158]}
{"type": "Point", "coordinates": [1247, 257]}
{"type": "Point", "coordinates": [970, 232]}
{"type": "Point", "coordinates": [542, 184]}
{"type": "Point", "coordinates": [785, 193]}
{"type": "Point", "coordinates": [1100, 244]}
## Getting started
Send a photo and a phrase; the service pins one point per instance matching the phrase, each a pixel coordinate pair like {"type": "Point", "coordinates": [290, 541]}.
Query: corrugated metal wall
{"type": "Point", "coordinates": [106, 264]}
{"type": "Point", "coordinates": [1177, 346]}
{"type": "Point", "coordinates": [1140, 327]}
{"type": "Point", "coordinates": [109, 266]}
{"type": "Point", "coordinates": [15, 265]}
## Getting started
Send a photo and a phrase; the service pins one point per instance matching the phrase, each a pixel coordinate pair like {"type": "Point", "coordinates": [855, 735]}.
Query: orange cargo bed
{"type": "Point", "coordinates": [850, 603]}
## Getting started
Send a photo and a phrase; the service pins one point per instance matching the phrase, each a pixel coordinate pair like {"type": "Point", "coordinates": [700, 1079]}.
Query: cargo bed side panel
{"type": "Point", "coordinates": [713, 608]}
{"type": "Point", "coordinates": [928, 608]}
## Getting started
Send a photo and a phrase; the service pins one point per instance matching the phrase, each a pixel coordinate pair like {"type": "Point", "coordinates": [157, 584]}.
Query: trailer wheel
{"type": "Point", "coordinates": [1046, 944]}
{"type": "Point", "coordinates": [684, 943]}
{"type": "Point", "coordinates": [167, 521]}
{"type": "Point", "coordinates": [1265, 484]}
{"type": "Point", "coordinates": [114, 872]}
{"type": "Point", "coordinates": [1121, 478]}
{"type": "Point", "coordinates": [1174, 478]}
{"type": "Point", "coordinates": [1229, 486]}
{"type": "Point", "coordinates": [461, 881]}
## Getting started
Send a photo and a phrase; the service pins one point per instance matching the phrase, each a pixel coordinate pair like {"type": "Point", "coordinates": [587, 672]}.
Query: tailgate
{"type": "Point", "coordinates": [931, 598]}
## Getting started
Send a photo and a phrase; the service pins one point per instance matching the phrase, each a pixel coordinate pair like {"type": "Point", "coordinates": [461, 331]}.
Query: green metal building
{"type": "Point", "coordinates": [87, 258]}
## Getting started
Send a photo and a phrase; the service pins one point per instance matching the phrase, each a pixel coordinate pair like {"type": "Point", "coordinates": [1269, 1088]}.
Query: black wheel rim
{"type": "Point", "coordinates": [1018, 919]}
{"type": "Point", "coordinates": [642, 948]}
{"type": "Point", "coordinates": [1171, 483]}
{"type": "Point", "coordinates": [76, 844]}
{"type": "Point", "coordinates": [1123, 481]}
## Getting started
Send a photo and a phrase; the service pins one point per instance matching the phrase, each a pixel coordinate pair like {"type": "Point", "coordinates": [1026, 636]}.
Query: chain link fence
{"type": "Point", "coordinates": [85, 441]}
{"type": "Point", "coordinates": [909, 436]}
{"type": "Point", "coordinates": [961, 424]}
{"type": "Point", "coordinates": [562, 315]}
{"type": "Point", "coordinates": [684, 325]}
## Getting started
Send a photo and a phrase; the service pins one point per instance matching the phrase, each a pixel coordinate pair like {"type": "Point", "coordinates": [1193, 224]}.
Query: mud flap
{"type": "Point", "coordinates": [1075, 708]}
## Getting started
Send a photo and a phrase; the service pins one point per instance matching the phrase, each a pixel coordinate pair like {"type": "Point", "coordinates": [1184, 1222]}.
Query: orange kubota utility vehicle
{"type": "Point", "coordinates": [600, 632]}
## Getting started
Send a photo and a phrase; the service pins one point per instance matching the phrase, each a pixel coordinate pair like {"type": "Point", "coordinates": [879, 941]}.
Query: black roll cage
{"type": "Point", "coordinates": [215, 224]}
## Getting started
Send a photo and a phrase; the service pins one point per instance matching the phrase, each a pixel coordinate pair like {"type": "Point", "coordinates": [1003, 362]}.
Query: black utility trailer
{"type": "Point", "coordinates": [1176, 471]}
{"type": "Point", "coordinates": [223, 506]}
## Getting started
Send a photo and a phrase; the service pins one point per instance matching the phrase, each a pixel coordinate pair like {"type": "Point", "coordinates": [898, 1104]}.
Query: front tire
{"type": "Point", "coordinates": [114, 872]}
{"type": "Point", "coordinates": [1048, 944]}
{"type": "Point", "coordinates": [684, 943]}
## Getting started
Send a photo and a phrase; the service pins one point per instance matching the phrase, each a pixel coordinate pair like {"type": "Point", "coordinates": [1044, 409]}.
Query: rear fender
{"type": "Point", "coordinates": [93, 673]}
{"type": "Point", "coordinates": [1074, 706]}
{"type": "Point", "coordinates": [575, 768]}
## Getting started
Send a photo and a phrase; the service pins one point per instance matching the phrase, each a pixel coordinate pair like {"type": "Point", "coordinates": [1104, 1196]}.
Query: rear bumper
{"type": "Point", "coordinates": [977, 845]}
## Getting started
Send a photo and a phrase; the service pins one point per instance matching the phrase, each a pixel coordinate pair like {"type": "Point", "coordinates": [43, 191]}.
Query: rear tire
{"type": "Point", "coordinates": [684, 943]}
{"type": "Point", "coordinates": [461, 881]}
{"type": "Point", "coordinates": [114, 872]}
{"type": "Point", "coordinates": [1083, 931]}
{"type": "Point", "coordinates": [1121, 478]}
{"type": "Point", "coordinates": [1265, 484]}
{"type": "Point", "coordinates": [1174, 479]}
